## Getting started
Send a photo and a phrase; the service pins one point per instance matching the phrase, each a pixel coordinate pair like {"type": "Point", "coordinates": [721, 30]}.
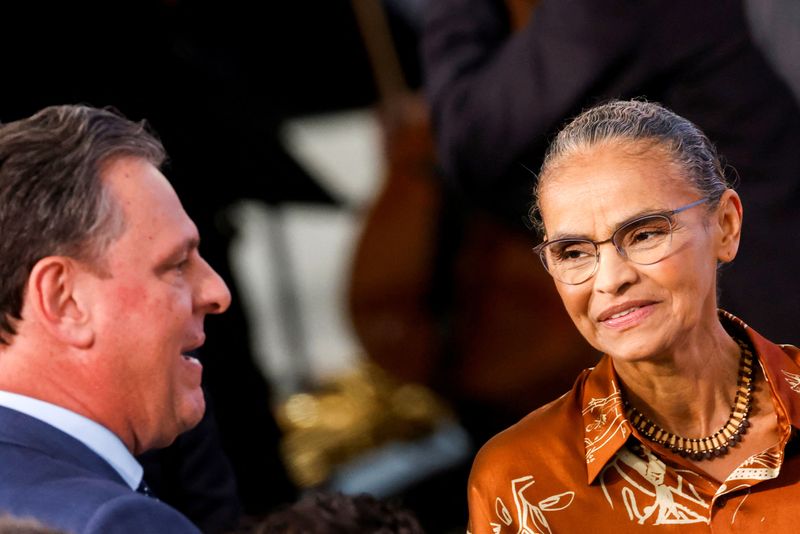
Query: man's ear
{"type": "Point", "coordinates": [729, 221]}
{"type": "Point", "coordinates": [56, 304]}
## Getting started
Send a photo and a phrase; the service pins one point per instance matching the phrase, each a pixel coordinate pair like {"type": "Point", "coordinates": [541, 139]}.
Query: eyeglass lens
{"type": "Point", "coordinates": [644, 241]}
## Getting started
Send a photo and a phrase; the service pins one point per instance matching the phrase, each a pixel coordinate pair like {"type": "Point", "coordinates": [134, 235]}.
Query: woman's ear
{"type": "Point", "coordinates": [52, 298]}
{"type": "Point", "coordinates": [729, 225]}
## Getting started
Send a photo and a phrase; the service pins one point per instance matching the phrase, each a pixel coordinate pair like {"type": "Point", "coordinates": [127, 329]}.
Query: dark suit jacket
{"type": "Point", "coordinates": [47, 474]}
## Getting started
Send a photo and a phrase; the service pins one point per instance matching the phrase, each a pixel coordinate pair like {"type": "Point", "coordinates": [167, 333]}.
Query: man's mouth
{"type": "Point", "coordinates": [190, 355]}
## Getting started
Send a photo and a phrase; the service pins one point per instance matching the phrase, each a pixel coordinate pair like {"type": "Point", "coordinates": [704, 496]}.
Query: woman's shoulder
{"type": "Point", "coordinates": [791, 351]}
{"type": "Point", "coordinates": [554, 430]}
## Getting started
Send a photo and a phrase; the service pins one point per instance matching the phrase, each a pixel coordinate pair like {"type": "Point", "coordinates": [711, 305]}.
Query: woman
{"type": "Point", "coordinates": [684, 422]}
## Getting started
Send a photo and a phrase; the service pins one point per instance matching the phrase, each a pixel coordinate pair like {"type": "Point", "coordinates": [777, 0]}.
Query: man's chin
{"type": "Point", "coordinates": [194, 412]}
{"type": "Point", "coordinates": [187, 416]}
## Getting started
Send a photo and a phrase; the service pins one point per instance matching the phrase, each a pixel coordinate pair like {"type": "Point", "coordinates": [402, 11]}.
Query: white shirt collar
{"type": "Point", "coordinates": [95, 436]}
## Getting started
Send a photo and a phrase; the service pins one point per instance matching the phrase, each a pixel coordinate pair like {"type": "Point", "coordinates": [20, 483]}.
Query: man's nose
{"type": "Point", "coordinates": [214, 297]}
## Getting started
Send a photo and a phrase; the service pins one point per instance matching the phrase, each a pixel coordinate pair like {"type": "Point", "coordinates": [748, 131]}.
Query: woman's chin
{"type": "Point", "coordinates": [631, 347]}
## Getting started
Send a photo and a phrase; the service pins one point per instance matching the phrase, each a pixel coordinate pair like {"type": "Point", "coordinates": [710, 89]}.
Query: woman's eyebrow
{"type": "Point", "coordinates": [630, 219]}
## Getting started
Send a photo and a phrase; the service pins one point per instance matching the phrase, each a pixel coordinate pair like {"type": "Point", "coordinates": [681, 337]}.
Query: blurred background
{"type": "Point", "coordinates": [384, 324]}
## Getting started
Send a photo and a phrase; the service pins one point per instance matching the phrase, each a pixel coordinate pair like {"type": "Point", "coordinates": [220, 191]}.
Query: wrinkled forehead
{"type": "Point", "coordinates": [619, 178]}
{"type": "Point", "coordinates": [150, 206]}
{"type": "Point", "coordinates": [136, 183]}
{"type": "Point", "coordinates": [623, 150]}
{"type": "Point", "coordinates": [651, 153]}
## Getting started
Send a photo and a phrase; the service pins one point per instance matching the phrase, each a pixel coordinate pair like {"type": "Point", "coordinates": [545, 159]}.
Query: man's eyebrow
{"type": "Point", "coordinates": [631, 218]}
{"type": "Point", "coordinates": [188, 245]}
{"type": "Point", "coordinates": [184, 247]}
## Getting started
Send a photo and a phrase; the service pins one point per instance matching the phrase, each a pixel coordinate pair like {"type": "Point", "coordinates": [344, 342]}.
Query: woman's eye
{"type": "Point", "coordinates": [644, 235]}
{"type": "Point", "coordinates": [572, 252]}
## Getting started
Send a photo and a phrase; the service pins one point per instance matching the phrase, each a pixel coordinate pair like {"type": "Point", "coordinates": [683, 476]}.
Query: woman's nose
{"type": "Point", "coordinates": [614, 271]}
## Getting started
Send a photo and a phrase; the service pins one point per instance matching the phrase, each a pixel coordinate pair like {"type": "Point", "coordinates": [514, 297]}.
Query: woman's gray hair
{"type": "Point", "coordinates": [637, 121]}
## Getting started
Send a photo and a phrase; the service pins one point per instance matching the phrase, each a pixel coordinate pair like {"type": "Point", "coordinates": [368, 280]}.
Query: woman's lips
{"type": "Point", "coordinates": [626, 315]}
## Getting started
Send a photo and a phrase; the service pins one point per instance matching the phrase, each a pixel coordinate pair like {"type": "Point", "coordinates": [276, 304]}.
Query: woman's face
{"type": "Point", "coordinates": [635, 312]}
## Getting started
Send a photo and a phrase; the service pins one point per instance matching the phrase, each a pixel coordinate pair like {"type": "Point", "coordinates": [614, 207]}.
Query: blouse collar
{"type": "Point", "coordinates": [606, 429]}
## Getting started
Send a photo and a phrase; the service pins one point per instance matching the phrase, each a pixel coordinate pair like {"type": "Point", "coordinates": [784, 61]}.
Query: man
{"type": "Point", "coordinates": [103, 293]}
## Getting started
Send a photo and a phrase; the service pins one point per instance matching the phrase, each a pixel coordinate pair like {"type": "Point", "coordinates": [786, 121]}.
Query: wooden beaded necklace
{"type": "Point", "coordinates": [718, 443]}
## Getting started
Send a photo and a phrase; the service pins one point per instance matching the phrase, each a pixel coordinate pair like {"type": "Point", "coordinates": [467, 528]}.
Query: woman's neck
{"type": "Point", "coordinates": [688, 390]}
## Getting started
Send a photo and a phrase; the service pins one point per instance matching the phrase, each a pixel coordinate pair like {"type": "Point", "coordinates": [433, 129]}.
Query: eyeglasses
{"type": "Point", "coordinates": [645, 240]}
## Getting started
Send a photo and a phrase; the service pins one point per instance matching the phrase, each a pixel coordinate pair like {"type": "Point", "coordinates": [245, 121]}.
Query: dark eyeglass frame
{"type": "Point", "coordinates": [540, 248]}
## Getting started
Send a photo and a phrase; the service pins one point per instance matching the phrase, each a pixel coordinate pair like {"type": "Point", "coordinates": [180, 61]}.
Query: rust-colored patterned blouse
{"type": "Point", "coordinates": [577, 465]}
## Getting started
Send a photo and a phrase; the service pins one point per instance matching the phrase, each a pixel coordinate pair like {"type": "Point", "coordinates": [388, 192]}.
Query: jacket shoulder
{"type": "Point", "coordinates": [134, 513]}
{"type": "Point", "coordinates": [65, 490]}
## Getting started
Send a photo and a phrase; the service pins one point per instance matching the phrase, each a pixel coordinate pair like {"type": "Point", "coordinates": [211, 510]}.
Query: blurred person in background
{"type": "Point", "coordinates": [775, 25]}
{"type": "Point", "coordinates": [321, 512]}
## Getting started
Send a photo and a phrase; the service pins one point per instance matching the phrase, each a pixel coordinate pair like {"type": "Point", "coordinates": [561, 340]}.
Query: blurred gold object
{"type": "Point", "coordinates": [350, 415]}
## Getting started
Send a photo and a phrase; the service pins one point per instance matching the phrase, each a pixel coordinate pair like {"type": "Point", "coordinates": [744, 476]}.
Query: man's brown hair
{"type": "Point", "coordinates": [52, 199]}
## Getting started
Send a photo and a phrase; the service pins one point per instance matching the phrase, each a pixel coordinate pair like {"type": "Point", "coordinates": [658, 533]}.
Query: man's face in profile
{"type": "Point", "coordinates": [150, 307]}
